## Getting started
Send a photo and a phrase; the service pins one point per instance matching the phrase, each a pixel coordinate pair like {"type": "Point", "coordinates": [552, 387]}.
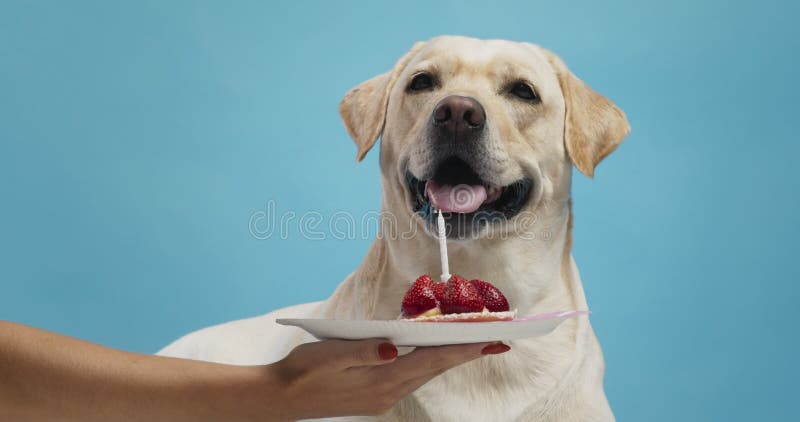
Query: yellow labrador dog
{"type": "Point", "coordinates": [486, 130]}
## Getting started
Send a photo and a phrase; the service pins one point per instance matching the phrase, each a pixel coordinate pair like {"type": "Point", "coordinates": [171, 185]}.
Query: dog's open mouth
{"type": "Point", "coordinates": [464, 198]}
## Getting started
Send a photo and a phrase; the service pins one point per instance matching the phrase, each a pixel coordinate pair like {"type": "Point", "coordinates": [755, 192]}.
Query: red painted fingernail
{"type": "Point", "coordinates": [387, 351]}
{"type": "Point", "coordinates": [495, 349]}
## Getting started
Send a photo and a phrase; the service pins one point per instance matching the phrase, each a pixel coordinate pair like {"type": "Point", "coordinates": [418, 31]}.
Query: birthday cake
{"type": "Point", "coordinates": [456, 300]}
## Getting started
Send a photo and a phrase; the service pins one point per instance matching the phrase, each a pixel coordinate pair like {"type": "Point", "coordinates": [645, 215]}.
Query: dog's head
{"type": "Point", "coordinates": [480, 129]}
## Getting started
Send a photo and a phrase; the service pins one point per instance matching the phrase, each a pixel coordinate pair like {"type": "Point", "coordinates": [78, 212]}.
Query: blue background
{"type": "Point", "coordinates": [137, 139]}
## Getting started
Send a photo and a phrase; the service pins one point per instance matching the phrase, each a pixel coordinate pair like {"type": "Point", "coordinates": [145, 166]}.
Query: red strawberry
{"type": "Point", "coordinates": [438, 291]}
{"type": "Point", "coordinates": [492, 298]}
{"type": "Point", "coordinates": [419, 297]}
{"type": "Point", "coordinates": [460, 297]}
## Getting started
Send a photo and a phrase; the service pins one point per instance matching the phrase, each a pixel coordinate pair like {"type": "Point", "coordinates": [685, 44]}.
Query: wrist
{"type": "Point", "coordinates": [213, 392]}
{"type": "Point", "coordinates": [258, 393]}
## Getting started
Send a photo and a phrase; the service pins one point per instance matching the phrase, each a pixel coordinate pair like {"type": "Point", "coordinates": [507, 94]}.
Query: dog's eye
{"type": "Point", "coordinates": [420, 82]}
{"type": "Point", "coordinates": [524, 91]}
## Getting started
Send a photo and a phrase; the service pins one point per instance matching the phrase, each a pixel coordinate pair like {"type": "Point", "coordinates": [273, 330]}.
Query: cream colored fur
{"type": "Point", "coordinates": [558, 377]}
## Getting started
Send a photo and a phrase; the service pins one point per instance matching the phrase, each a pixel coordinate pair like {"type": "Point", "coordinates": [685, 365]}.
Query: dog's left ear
{"type": "Point", "coordinates": [593, 126]}
{"type": "Point", "coordinates": [363, 108]}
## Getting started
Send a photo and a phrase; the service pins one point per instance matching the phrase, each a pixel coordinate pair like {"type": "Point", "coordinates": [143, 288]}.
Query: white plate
{"type": "Point", "coordinates": [408, 333]}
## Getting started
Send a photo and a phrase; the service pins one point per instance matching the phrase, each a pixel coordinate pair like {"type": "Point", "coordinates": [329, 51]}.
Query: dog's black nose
{"type": "Point", "coordinates": [457, 114]}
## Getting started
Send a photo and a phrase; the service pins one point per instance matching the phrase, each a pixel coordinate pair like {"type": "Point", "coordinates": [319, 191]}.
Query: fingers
{"type": "Point", "coordinates": [350, 353]}
{"type": "Point", "coordinates": [432, 361]}
{"type": "Point", "coordinates": [342, 354]}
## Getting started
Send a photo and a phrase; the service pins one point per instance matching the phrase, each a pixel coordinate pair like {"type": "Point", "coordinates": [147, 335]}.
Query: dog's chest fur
{"type": "Point", "coordinates": [500, 388]}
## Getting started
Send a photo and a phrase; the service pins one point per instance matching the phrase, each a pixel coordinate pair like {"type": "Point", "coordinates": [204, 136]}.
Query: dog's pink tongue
{"type": "Point", "coordinates": [458, 198]}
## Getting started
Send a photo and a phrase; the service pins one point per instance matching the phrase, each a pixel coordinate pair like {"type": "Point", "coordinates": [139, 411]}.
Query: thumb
{"type": "Point", "coordinates": [351, 353]}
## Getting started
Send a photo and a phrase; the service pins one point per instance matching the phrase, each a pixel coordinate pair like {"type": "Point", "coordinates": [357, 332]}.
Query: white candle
{"type": "Point", "coordinates": [443, 247]}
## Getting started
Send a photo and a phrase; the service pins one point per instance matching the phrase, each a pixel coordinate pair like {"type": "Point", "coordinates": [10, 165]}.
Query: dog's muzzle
{"type": "Point", "coordinates": [457, 179]}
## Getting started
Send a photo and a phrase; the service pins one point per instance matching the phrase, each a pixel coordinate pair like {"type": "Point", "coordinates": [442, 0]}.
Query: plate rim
{"type": "Point", "coordinates": [536, 317]}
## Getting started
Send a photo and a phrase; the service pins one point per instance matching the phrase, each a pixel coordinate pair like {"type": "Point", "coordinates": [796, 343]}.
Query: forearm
{"type": "Point", "coordinates": [45, 376]}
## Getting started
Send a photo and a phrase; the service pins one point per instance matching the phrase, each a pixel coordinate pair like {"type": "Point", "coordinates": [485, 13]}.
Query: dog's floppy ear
{"type": "Point", "coordinates": [593, 126]}
{"type": "Point", "coordinates": [363, 108]}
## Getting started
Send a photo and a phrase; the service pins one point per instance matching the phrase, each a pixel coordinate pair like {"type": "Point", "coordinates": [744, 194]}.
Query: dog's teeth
{"type": "Point", "coordinates": [493, 192]}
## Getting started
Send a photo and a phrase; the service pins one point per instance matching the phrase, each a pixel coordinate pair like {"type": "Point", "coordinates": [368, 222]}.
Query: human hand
{"type": "Point", "coordinates": [366, 377]}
